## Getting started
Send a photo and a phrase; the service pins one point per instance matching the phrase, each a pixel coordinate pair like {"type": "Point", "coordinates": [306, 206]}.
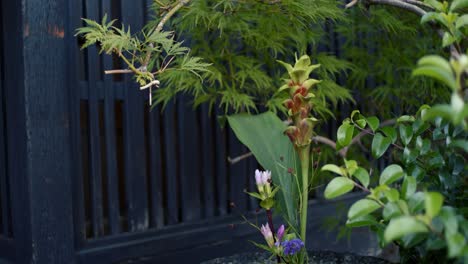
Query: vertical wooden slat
{"type": "Point", "coordinates": [170, 164]}
{"type": "Point", "coordinates": [92, 12]}
{"type": "Point", "coordinates": [190, 163]}
{"type": "Point", "coordinates": [110, 137]}
{"type": "Point", "coordinates": [155, 166]}
{"type": "Point", "coordinates": [4, 195]}
{"type": "Point", "coordinates": [75, 13]}
{"type": "Point", "coordinates": [221, 166]}
{"type": "Point", "coordinates": [135, 152]}
{"type": "Point", "coordinates": [208, 161]}
{"type": "Point", "coordinates": [237, 177]}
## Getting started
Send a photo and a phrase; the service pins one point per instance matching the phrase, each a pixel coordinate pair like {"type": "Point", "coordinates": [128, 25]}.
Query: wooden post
{"type": "Point", "coordinates": [38, 130]}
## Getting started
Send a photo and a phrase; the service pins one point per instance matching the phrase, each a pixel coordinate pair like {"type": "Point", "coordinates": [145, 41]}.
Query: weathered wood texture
{"type": "Point", "coordinates": [87, 173]}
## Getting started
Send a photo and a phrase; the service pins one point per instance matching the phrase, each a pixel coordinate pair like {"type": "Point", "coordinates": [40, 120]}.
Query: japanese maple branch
{"type": "Point", "coordinates": [160, 26]}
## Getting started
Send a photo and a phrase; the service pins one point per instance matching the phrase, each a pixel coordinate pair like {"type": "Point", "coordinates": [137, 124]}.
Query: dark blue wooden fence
{"type": "Point", "coordinates": [87, 173]}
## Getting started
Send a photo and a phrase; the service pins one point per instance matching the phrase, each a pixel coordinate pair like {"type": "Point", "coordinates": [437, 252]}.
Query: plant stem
{"type": "Point", "coordinates": [272, 228]}
{"type": "Point", "coordinates": [305, 159]}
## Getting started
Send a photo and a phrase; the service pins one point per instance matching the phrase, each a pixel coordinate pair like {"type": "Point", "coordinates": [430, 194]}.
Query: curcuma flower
{"type": "Point", "coordinates": [292, 246]}
{"type": "Point", "coordinates": [268, 235]}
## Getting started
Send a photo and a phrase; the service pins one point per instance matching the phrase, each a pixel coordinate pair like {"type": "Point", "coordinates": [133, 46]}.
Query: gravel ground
{"type": "Point", "coordinates": [316, 257]}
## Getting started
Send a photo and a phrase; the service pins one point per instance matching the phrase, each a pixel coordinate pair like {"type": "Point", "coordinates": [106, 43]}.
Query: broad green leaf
{"type": "Point", "coordinates": [448, 39]}
{"type": "Point", "coordinates": [380, 144]}
{"type": "Point", "coordinates": [435, 60]}
{"type": "Point", "coordinates": [416, 202]}
{"type": "Point", "coordinates": [333, 168]}
{"type": "Point", "coordinates": [461, 21]}
{"type": "Point", "coordinates": [433, 203]}
{"type": "Point", "coordinates": [409, 187]}
{"type": "Point", "coordinates": [458, 4]}
{"type": "Point", "coordinates": [373, 122]}
{"type": "Point", "coordinates": [390, 132]}
{"type": "Point", "coordinates": [351, 166]}
{"type": "Point", "coordinates": [436, 4]}
{"type": "Point", "coordinates": [391, 174]}
{"type": "Point", "coordinates": [392, 195]}
{"type": "Point", "coordinates": [403, 225]}
{"type": "Point", "coordinates": [362, 175]}
{"type": "Point", "coordinates": [414, 239]}
{"type": "Point", "coordinates": [406, 118]}
{"type": "Point", "coordinates": [345, 134]}
{"type": "Point", "coordinates": [258, 132]}
{"type": "Point", "coordinates": [449, 218]}
{"type": "Point", "coordinates": [391, 210]}
{"type": "Point", "coordinates": [437, 73]}
{"type": "Point", "coordinates": [362, 207]}
{"type": "Point", "coordinates": [463, 144]}
{"type": "Point", "coordinates": [338, 186]}
{"type": "Point", "coordinates": [409, 155]}
{"type": "Point", "coordinates": [456, 244]}
{"type": "Point", "coordinates": [406, 134]}
{"type": "Point", "coordinates": [365, 220]}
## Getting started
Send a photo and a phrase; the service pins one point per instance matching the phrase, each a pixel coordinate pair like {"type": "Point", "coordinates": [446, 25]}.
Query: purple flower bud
{"type": "Point", "coordinates": [258, 177]}
{"type": "Point", "coordinates": [268, 235]}
{"type": "Point", "coordinates": [266, 176]}
{"type": "Point", "coordinates": [280, 233]}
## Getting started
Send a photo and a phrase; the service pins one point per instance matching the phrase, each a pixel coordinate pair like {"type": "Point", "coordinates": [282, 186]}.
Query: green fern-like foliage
{"type": "Point", "coordinates": [242, 41]}
{"type": "Point", "coordinates": [384, 44]}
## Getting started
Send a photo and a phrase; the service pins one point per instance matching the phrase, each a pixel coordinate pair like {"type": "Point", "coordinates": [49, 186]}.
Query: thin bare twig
{"type": "Point", "coordinates": [118, 71]}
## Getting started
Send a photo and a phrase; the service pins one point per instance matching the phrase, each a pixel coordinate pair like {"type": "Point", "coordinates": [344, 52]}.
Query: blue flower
{"type": "Point", "coordinates": [292, 246]}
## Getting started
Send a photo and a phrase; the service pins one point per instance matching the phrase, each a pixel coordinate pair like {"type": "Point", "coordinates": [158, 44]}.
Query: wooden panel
{"type": "Point", "coordinates": [75, 13]}
{"type": "Point", "coordinates": [189, 151]}
{"type": "Point", "coordinates": [113, 210]}
{"type": "Point", "coordinates": [208, 153]}
{"type": "Point", "coordinates": [221, 167]}
{"type": "Point", "coordinates": [170, 165]}
{"type": "Point", "coordinates": [237, 174]}
{"type": "Point", "coordinates": [155, 184]}
{"type": "Point", "coordinates": [95, 170]}
{"type": "Point", "coordinates": [4, 192]}
{"type": "Point", "coordinates": [135, 151]}
{"type": "Point", "coordinates": [45, 137]}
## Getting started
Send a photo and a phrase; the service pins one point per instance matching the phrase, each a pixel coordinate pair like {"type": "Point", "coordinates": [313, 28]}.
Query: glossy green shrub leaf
{"type": "Point", "coordinates": [412, 240]}
{"type": "Point", "coordinates": [456, 244]}
{"type": "Point", "coordinates": [449, 219]}
{"type": "Point", "coordinates": [362, 207]}
{"type": "Point", "coordinates": [406, 134]}
{"type": "Point", "coordinates": [416, 202]}
{"type": "Point", "coordinates": [337, 187]}
{"type": "Point", "coordinates": [436, 4]}
{"type": "Point", "coordinates": [461, 21]}
{"type": "Point", "coordinates": [405, 118]}
{"type": "Point", "coordinates": [409, 155]}
{"type": "Point", "coordinates": [365, 220]}
{"type": "Point", "coordinates": [392, 195]}
{"type": "Point", "coordinates": [448, 39]}
{"type": "Point", "coordinates": [380, 144]}
{"type": "Point", "coordinates": [417, 172]}
{"type": "Point", "coordinates": [258, 132]}
{"type": "Point", "coordinates": [333, 168]}
{"type": "Point", "coordinates": [390, 132]}
{"type": "Point", "coordinates": [363, 176]}
{"type": "Point", "coordinates": [419, 127]}
{"type": "Point", "coordinates": [433, 203]}
{"type": "Point", "coordinates": [373, 123]}
{"type": "Point", "coordinates": [458, 4]}
{"type": "Point", "coordinates": [351, 166]}
{"type": "Point", "coordinates": [345, 134]}
{"type": "Point", "coordinates": [437, 73]}
{"type": "Point", "coordinates": [391, 174]}
{"type": "Point", "coordinates": [403, 225]}
{"type": "Point", "coordinates": [409, 186]}
{"type": "Point", "coordinates": [391, 210]}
